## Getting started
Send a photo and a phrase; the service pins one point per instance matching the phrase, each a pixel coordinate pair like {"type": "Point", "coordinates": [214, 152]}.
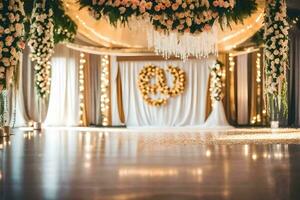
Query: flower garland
{"type": "Point", "coordinates": [11, 36]}
{"type": "Point", "coordinates": [146, 88]}
{"type": "Point", "coordinates": [117, 10]}
{"type": "Point", "coordinates": [192, 16]}
{"type": "Point", "coordinates": [276, 51]}
{"type": "Point", "coordinates": [216, 85]}
{"type": "Point", "coordinates": [64, 27]}
{"type": "Point", "coordinates": [41, 43]}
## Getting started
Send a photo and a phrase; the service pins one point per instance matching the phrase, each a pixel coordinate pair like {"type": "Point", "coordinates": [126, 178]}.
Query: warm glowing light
{"type": "Point", "coordinates": [87, 165]}
{"type": "Point", "coordinates": [88, 156]}
{"type": "Point", "coordinates": [265, 155]}
{"type": "Point", "coordinates": [246, 150]}
{"type": "Point", "coordinates": [208, 153]}
{"type": "Point", "coordinates": [231, 63]}
{"type": "Point", "coordinates": [127, 172]}
{"type": "Point", "coordinates": [81, 87]}
{"type": "Point", "coordinates": [105, 95]}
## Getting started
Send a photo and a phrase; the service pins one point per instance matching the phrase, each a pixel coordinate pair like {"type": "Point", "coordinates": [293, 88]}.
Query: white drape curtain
{"type": "Point", "coordinates": [242, 89]}
{"type": "Point", "coordinates": [64, 96]}
{"type": "Point", "coordinates": [115, 119]}
{"type": "Point", "coordinates": [187, 109]}
{"type": "Point", "coordinates": [27, 106]}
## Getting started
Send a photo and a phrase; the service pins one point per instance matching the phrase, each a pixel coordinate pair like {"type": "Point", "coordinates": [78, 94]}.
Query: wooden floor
{"type": "Point", "coordinates": [103, 164]}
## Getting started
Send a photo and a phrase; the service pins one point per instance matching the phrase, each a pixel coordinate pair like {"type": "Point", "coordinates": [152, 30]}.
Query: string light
{"type": "Point", "coordinates": [231, 62]}
{"type": "Point", "coordinates": [258, 68]}
{"type": "Point", "coordinates": [81, 87]}
{"type": "Point", "coordinates": [105, 94]}
{"type": "Point", "coordinates": [259, 114]}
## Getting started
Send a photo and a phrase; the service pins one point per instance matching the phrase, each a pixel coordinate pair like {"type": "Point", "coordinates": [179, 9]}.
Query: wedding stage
{"type": "Point", "coordinates": [149, 99]}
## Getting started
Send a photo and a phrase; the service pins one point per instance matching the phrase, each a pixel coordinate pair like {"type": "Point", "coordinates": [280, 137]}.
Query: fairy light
{"type": "Point", "coordinates": [258, 68]}
{"type": "Point", "coordinates": [105, 93]}
{"type": "Point", "coordinates": [257, 118]}
{"type": "Point", "coordinates": [208, 153]}
{"type": "Point", "coordinates": [81, 87]}
{"type": "Point", "coordinates": [231, 63]}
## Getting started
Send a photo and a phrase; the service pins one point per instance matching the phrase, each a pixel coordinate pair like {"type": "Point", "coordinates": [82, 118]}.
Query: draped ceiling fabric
{"type": "Point", "coordinates": [187, 109]}
{"type": "Point", "coordinates": [102, 37]}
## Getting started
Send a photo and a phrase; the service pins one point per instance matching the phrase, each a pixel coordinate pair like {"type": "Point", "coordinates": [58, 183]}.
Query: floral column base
{"type": "Point", "coordinates": [274, 111]}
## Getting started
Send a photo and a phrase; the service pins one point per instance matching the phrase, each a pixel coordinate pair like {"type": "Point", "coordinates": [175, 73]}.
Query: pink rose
{"type": "Point", "coordinates": [21, 45]}
{"type": "Point", "coordinates": [157, 8]}
{"type": "Point", "coordinates": [215, 3]}
{"type": "Point", "coordinates": [8, 40]}
{"type": "Point", "coordinates": [207, 27]}
{"type": "Point", "coordinates": [149, 5]}
{"type": "Point", "coordinates": [175, 6]}
{"type": "Point", "coordinates": [187, 30]}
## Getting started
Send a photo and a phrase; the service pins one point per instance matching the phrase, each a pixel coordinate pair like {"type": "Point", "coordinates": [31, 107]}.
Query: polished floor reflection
{"type": "Point", "coordinates": [71, 164]}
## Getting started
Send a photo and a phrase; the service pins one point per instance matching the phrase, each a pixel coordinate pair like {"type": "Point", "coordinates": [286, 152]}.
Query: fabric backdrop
{"type": "Point", "coordinates": [242, 89]}
{"type": "Point", "coordinates": [187, 109]}
{"type": "Point", "coordinates": [27, 108]}
{"type": "Point", "coordinates": [294, 78]}
{"type": "Point", "coordinates": [64, 96]}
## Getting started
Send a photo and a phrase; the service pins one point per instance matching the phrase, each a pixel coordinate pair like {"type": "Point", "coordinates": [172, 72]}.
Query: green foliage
{"type": "Point", "coordinates": [227, 16]}
{"type": "Point", "coordinates": [3, 105]}
{"type": "Point", "coordinates": [293, 19]}
{"type": "Point", "coordinates": [64, 27]}
{"type": "Point", "coordinates": [258, 37]}
{"type": "Point", "coordinates": [242, 10]}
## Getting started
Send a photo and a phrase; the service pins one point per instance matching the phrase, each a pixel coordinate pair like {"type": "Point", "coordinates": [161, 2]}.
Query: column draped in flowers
{"type": "Point", "coordinates": [216, 83]}
{"type": "Point", "coordinates": [41, 43]}
{"type": "Point", "coordinates": [276, 58]}
{"type": "Point", "coordinates": [11, 44]}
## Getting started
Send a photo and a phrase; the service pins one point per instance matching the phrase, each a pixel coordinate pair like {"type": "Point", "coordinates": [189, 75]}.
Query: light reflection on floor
{"type": "Point", "coordinates": [134, 164]}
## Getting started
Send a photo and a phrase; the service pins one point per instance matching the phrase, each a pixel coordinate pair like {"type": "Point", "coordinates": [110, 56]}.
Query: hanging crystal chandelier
{"type": "Point", "coordinates": [183, 45]}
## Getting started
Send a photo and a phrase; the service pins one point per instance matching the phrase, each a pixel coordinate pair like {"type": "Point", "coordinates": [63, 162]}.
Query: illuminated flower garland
{"type": "Point", "coordinates": [276, 51]}
{"type": "Point", "coordinates": [216, 85]}
{"type": "Point", "coordinates": [192, 16]}
{"type": "Point", "coordinates": [146, 88]}
{"type": "Point", "coordinates": [41, 43]}
{"type": "Point", "coordinates": [117, 10]}
{"type": "Point", "coordinates": [11, 36]}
